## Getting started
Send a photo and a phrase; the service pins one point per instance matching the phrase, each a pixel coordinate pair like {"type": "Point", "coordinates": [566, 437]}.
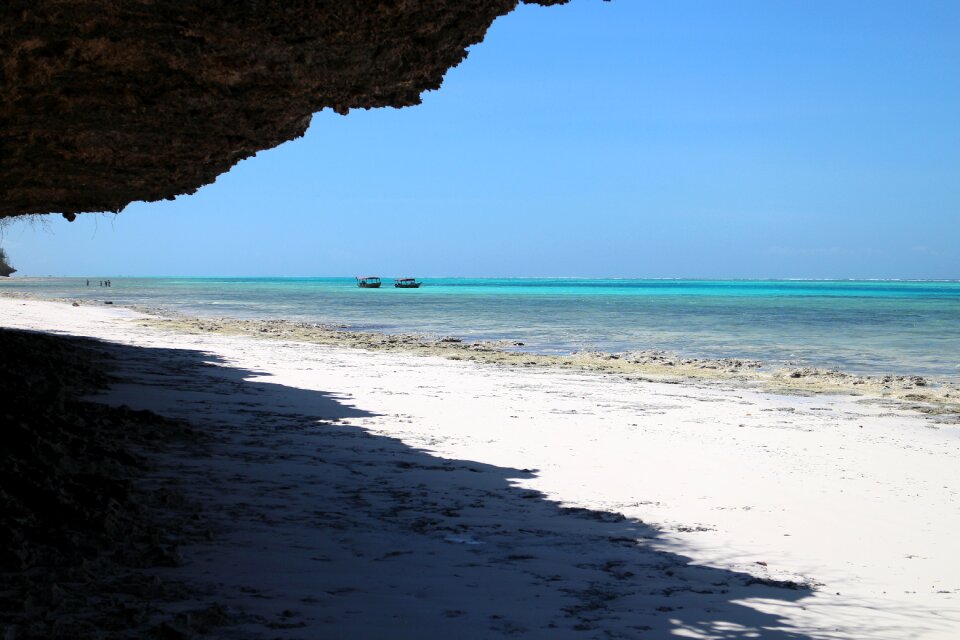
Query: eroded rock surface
{"type": "Point", "coordinates": [104, 102]}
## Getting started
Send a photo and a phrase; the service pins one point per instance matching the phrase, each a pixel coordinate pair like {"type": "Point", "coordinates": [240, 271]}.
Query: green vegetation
{"type": "Point", "coordinates": [5, 268]}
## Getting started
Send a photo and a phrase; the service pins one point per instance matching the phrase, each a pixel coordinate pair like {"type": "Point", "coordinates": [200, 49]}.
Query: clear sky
{"type": "Point", "coordinates": [626, 139]}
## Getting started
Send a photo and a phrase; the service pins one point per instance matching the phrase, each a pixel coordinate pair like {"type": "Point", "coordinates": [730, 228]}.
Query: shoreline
{"type": "Point", "coordinates": [939, 399]}
{"type": "Point", "coordinates": [934, 398]}
{"type": "Point", "coordinates": [359, 487]}
{"type": "Point", "coordinates": [731, 326]}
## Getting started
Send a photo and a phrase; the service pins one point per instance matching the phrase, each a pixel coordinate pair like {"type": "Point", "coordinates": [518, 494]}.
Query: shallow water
{"type": "Point", "coordinates": [874, 327]}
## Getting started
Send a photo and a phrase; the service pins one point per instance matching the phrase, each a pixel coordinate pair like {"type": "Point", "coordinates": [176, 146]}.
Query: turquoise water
{"type": "Point", "coordinates": [876, 327]}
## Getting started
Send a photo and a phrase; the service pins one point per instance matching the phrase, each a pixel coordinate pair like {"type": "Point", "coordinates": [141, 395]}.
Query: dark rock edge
{"type": "Point", "coordinates": [106, 103]}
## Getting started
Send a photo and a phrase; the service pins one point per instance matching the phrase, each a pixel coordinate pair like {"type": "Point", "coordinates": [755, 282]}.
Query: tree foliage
{"type": "Point", "coordinates": [5, 268]}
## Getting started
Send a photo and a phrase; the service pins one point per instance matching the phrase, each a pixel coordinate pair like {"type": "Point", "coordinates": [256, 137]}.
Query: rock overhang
{"type": "Point", "coordinates": [107, 102]}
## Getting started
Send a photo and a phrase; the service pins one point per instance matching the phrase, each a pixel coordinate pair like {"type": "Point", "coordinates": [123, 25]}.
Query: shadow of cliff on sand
{"type": "Point", "coordinates": [328, 530]}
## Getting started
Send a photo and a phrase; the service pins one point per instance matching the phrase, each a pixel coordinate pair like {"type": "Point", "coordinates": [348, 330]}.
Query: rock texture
{"type": "Point", "coordinates": [104, 102]}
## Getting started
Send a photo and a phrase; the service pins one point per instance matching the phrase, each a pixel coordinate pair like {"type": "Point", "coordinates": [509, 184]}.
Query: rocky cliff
{"type": "Point", "coordinates": [104, 102]}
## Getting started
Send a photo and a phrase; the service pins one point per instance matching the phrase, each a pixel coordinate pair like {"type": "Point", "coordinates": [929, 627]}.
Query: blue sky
{"type": "Point", "coordinates": [629, 139]}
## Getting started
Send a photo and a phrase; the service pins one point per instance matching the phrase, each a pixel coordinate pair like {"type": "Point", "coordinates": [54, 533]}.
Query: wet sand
{"type": "Point", "coordinates": [357, 491]}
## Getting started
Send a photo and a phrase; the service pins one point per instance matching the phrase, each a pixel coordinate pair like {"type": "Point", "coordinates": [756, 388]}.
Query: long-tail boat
{"type": "Point", "coordinates": [368, 282]}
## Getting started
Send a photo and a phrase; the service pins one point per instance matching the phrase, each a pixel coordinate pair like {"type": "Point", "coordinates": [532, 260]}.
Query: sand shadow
{"type": "Point", "coordinates": [326, 529]}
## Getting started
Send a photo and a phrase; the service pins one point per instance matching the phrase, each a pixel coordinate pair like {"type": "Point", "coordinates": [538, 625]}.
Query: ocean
{"type": "Point", "coordinates": [867, 327]}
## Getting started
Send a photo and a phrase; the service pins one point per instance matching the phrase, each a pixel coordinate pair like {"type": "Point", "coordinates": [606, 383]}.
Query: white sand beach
{"type": "Point", "coordinates": [371, 494]}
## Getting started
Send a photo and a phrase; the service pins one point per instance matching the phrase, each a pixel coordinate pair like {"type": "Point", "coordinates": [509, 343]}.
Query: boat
{"type": "Point", "coordinates": [368, 282]}
{"type": "Point", "coordinates": [406, 283]}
